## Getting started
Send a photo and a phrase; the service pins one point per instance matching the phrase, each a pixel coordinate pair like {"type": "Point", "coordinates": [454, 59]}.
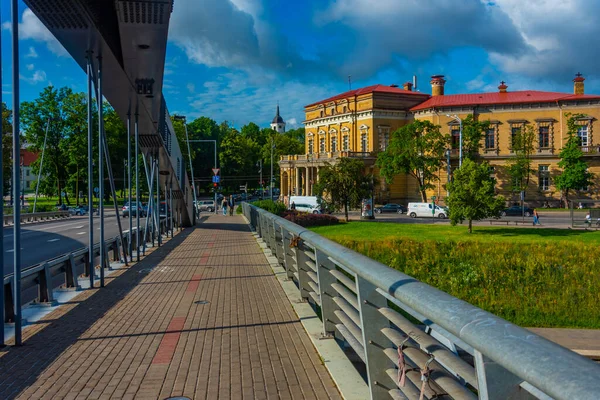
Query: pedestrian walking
{"type": "Point", "coordinates": [224, 206]}
{"type": "Point", "coordinates": [536, 218]}
{"type": "Point", "coordinates": [231, 205]}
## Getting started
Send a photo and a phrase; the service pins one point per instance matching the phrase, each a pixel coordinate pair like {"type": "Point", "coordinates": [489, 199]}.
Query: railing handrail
{"type": "Point", "coordinates": [551, 368]}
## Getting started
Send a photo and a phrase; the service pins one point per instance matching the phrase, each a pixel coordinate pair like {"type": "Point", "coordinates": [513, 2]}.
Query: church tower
{"type": "Point", "coordinates": [278, 124]}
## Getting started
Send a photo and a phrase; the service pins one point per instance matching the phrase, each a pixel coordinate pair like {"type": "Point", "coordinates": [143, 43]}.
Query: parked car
{"type": "Point", "coordinates": [61, 207]}
{"type": "Point", "coordinates": [206, 205]}
{"type": "Point", "coordinates": [127, 211]}
{"type": "Point", "coordinates": [427, 210]}
{"type": "Point", "coordinates": [391, 208]}
{"type": "Point", "coordinates": [86, 208]}
{"type": "Point", "coordinates": [308, 204]}
{"type": "Point", "coordinates": [78, 210]}
{"type": "Point", "coordinates": [516, 211]}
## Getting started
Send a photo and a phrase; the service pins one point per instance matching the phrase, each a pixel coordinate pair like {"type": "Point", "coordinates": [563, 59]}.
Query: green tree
{"type": "Point", "coordinates": [416, 149]}
{"type": "Point", "coordinates": [6, 147]}
{"type": "Point", "coordinates": [519, 166]}
{"type": "Point", "coordinates": [472, 195]}
{"type": "Point", "coordinates": [237, 156]}
{"type": "Point", "coordinates": [51, 104]}
{"type": "Point", "coordinates": [299, 134]}
{"type": "Point", "coordinates": [574, 174]}
{"type": "Point", "coordinates": [343, 185]}
{"type": "Point", "coordinates": [473, 132]}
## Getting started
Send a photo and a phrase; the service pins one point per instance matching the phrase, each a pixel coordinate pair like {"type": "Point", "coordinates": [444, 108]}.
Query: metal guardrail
{"type": "Point", "coordinates": [63, 271]}
{"type": "Point", "coordinates": [414, 339]}
{"type": "Point", "coordinates": [34, 217]}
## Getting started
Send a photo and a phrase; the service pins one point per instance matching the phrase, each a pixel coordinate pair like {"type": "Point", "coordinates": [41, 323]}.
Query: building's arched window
{"type": "Point", "coordinates": [321, 113]}
{"type": "Point", "coordinates": [364, 142]}
{"type": "Point", "coordinates": [311, 146]}
{"type": "Point", "coordinates": [333, 144]}
{"type": "Point", "coordinates": [322, 145]}
{"type": "Point", "coordinates": [345, 109]}
{"type": "Point", "coordinates": [346, 143]}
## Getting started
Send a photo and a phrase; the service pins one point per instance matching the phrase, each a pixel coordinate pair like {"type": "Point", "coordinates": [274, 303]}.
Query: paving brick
{"type": "Point", "coordinates": [202, 316]}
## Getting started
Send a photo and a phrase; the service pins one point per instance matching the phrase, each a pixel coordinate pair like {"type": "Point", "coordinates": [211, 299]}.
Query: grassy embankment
{"type": "Point", "coordinates": [532, 277]}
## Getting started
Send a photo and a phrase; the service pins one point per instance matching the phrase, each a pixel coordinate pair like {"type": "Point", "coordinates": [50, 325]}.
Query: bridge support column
{"type": "Point", "coordinates": [129, 241]}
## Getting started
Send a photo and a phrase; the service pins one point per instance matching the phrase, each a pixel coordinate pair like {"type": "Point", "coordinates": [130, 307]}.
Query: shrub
{"type": "Point", "coordinates": [271, 206]}
{"type": "Point", "coordinates": [308, 220]}
{"type": "Point", "coordinates": [239, 210]}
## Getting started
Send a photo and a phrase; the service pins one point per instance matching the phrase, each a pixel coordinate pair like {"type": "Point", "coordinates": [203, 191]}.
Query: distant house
{"type": "Point", "coordinates": [27, 175]}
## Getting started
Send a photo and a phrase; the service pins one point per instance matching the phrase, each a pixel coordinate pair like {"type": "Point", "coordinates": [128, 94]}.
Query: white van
{"type": "Point", "coordinates": [307, 204]}
{"type": "Point", "coordinates": [426, 210]}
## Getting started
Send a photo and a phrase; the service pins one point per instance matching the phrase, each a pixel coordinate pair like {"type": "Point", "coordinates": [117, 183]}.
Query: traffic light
{"type": "Point", "coordinates": [215, 185]}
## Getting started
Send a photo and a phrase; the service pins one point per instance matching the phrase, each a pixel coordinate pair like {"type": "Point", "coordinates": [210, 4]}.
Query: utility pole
{"type": "Point", "coordinates": [37, 186]}
{"type": "Point", "coordinates": [259, 165]}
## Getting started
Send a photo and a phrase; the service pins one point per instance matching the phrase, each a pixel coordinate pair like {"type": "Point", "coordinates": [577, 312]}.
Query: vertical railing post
{"type": "Point", "coordinates": [326, 292]}
{"type": "Point", "coordinates": [371, 324]}
{"type": "Point", "coordinates": [302, 268]}
{"type": "Point", "coordinates": [9, 304]}
{"type": "Point", "coordinates": [71, 273]}
{"type": "Point", "coordinates": [495, 382]}
{"type": "Point", "coordinates": [45, 285]}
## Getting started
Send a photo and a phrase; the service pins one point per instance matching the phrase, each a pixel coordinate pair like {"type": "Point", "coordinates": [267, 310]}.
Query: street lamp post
{"type": "Point", "coordinates": [448, 171]}
{"type": "Point", "coordinates": [460, 155]}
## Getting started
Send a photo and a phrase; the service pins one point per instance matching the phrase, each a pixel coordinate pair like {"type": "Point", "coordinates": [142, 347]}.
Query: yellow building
{"type": "Point", "coordinates": [358, 124]}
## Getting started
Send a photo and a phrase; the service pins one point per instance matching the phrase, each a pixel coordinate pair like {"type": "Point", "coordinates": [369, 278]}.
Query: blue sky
{"type": "Point", "coordinates": [235, 59]}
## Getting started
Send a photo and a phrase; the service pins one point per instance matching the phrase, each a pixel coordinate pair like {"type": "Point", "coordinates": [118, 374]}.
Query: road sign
{"type": "Point", "coordinates": [216, 171]}
{"type": "Point", "coordinates": [242, 187]}
{"type": "Point", "coordinates": [216, 179]}
{"type": "Point", "coordinates": [96, 190]}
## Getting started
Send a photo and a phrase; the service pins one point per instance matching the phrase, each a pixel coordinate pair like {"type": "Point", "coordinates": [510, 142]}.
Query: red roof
{"type": "Point", "coordinates": [525, 96]}
{"type": "Point", "coordinates": [367, 90]}
{"type": "Point", "coordinates": [28, 157]}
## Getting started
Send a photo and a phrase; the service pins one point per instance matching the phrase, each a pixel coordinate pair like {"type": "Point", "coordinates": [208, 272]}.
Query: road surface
{"type": "Point", "coordinates": [44, 241]}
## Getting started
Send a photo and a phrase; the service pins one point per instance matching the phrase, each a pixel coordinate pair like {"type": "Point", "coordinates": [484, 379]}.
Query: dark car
{"type": "Point", "coordinates": [391, 208]}
{"type": "Point", "coordinates": [516, 211]}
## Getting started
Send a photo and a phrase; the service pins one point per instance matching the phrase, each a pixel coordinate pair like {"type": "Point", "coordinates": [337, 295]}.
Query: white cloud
{"type": "Point", "coordinates": [236, 97]}
{"type": "Point", "coordinates": [32, 53]}
{"type": "Point", "coordinates": [30, 67]}
{"type": "Point", "coordinates": [559, 33]}
{"type": "Point", "coordinates": [386, 30]}
{"type": "Point", "coordinates": [191, 87]}
{"type": "Point", "coordinates": [37, 77]}
{"type": "Point", "coordinates": [32, 28]}
{"type": "Point", "coordinates": [292, 123]}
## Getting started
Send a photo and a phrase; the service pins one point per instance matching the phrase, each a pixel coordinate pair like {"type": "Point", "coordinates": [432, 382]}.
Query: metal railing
{"type": "Point", "coordinates": [34, 217]}
{"type": "Point", "coordinates": [414, 339]}
{"type": "Point", "coordinates": [64, 271]}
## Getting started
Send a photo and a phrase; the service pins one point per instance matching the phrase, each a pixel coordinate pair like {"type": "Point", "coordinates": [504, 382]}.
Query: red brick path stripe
{"type": "Point", "coordinates": [167, 346]}
{"type": "Point", "coordinates": [193, 285]}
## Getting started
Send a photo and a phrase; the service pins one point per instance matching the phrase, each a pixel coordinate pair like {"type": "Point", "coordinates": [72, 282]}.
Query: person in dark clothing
{"type": "Point", "coordinates": [231, 205]}
{"type": "Point", "coordinates": [293, 206]}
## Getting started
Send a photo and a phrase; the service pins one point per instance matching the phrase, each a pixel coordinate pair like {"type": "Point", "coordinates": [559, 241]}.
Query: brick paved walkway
{"type": "Point", "coordinates": [201, 317]}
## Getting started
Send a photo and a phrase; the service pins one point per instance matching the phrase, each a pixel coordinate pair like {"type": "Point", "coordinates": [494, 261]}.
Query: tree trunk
{"type": "Point", "coordinates": [59, 190]}
{"type": "Point", "coordinates": [470, 226]}
{"type": "Point", "coordinates": [424, 196]}
{"type": "Point", "coordinates": [346, 211]}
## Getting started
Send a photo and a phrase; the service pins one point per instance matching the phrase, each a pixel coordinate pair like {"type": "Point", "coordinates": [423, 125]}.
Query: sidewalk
{"type": "Point", "coordinates": [202, 317]}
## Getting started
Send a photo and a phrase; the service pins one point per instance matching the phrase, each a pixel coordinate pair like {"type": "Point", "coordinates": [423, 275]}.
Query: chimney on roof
{"type": "Point", "coordinates": [393, 85]}
{"type": "Point", "coordinates": [578, 84]}
{"type": "Point", "coordinates": [407, 86]}
{"type": "Point", "coordinates": [502, 87]}
{"type": "Point", "coordinates": [437, 85]}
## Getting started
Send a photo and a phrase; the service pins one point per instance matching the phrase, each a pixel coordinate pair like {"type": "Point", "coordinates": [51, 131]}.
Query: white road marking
{"type": "Point", "coordinates": [12, 250]}
{"type": "Point", "coordinates": [53, 240]}
{"type": "Point", "coordinates": [81, 233]}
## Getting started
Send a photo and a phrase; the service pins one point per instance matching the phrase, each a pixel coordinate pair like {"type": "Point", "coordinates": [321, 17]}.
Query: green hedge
{"type": "Point", "coordinates": [271, 206]}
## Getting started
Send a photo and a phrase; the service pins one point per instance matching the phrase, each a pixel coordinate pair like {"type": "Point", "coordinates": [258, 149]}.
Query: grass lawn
{"type": "Point", "coordinates": [380, 231]}
{"type": "Point", "coordinates": [532, 277]}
